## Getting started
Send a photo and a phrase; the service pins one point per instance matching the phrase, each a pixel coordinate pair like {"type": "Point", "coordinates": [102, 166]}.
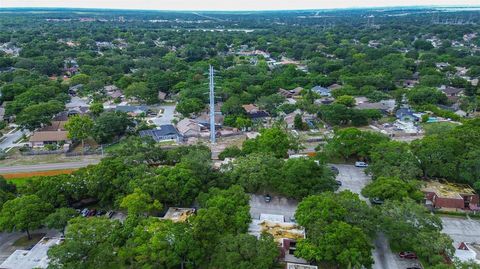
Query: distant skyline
{"type": "Point", "coordinates": [231, 5]}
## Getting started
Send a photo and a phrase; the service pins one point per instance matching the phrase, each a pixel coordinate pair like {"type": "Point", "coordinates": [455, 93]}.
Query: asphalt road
{"type": "Point", "coordinates": [46, 167]}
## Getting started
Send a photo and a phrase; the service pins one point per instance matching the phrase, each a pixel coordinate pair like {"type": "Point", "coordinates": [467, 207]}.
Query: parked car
{"type": "Point", "coordinates": [268, 198]}
{"type": "Point", "coordinates": [407, 255]}
{"type": "Point", "coordinates": [361, 164]}
{"type": "Point", "coordinates": [334, 170]}
{"type": "Point", "coordinates": [85, 212]}
{"type": "Point", "coordinates": [110, 214]}
{"type": "Point", "coordinates": [100, 212]}
{"type": "Point", "coordinates": [92, 213]}
{"type": "Point", "coordinates": [415, 267]}
{"type": "Point", "coordinates": [376, 201]}
{"type": "Point", "coordinates": [339, 183]}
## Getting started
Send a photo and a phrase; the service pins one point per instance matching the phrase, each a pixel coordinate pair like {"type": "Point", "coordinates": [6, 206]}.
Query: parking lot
{"type": "Point", "coordinates": [278, 206]}
{"type": "Point", "coordinates": [352, 178]}
{"type": "Point", "coordinates": [461, 229]}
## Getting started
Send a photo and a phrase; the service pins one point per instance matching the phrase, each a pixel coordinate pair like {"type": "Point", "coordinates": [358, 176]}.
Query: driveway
{"type": "Point", "coordinates": [8, 140]}
{"type": "Point", "coordinates": [166, 117]}
{"type": "Point", "coordinates": [277, 206]}
{"type": "Point", "coordinates": [461, 229]}
{"type": "Point", "coordinates": [352, 178]}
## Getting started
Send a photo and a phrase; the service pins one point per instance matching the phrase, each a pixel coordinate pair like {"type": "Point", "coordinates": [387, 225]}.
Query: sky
{"type": "Point", "coordinates": [230, 4]}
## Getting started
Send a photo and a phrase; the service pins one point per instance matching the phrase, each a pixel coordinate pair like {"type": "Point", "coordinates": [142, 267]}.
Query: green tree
{"type": "Point", "coordinates": [109, 125]}
{"type": "Point", "coordinates": [187, 106]}
{"type": "Point", "coordinates": [89, 243]}
{"type": "Point", "coordinates": [139, 203]}
{"type": "Point", "coordinates": [273, 140]}
{"type": "Point", "coordinates": [255, 172]}
{"type": "Point", "coordinates": [96, 108]}
{"type": "Point", "coordinates": [142, 92]}
{"type": "Point", "coordinates": [159, 243]}
{"type": "Point", "coordinates": [24, 213]}
{"type": "Point", "coordinates": [59, 218]}
{"type": "Point", "coordinates": [37, 115]}
{"type": "Point", "coordinates": [337, 243]}
{"type": "Point", "coordinates": [80, 79]}
{"type": "Point", "coordinates": [79, 128]}
{"type": "Point", "coordinates": [244, 251]}
{"type": "Point", "coordinates": [352, 142]}
{"type": "Point", "coordinates": [230, 152]}
{"type": "Point", "coordinates": [393, 159]}
{"type": "Point", "coordinates": [301, 177]}
{"type": "Point", "coordinates": [410, 227]}
{"type": "Point", "coordinates": [387, 188]}
{"type": "Point", "coordinates": [346, 100]}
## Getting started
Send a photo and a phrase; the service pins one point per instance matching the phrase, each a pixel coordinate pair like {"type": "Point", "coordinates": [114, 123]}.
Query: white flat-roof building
{"type": "Point", "coordinates": [34, 258]}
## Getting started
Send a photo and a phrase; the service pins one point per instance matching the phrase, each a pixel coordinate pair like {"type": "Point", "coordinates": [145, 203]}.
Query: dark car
{"type": "Point", "coordinates": [376, 201]}
{"type": "Point", "coordinates": [110, 214]}
{"type": "Point", "coordinates": [92, 213]}
{"type": "Point", "coordinates": [268, 198]}
{"type": "Point", "coordinates": [338, 182]}
{"type": "Point", "coordinates": [408, 255]}
{"type": "Point", "coordinates": [100, 212]}
{"type": "Point", "coordinates": [415, 267]}
{"type": "Point", "coordinates": [334, 170]}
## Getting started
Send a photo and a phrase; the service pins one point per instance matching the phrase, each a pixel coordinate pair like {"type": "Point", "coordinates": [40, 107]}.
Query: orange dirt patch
{"type": "Point", "coordinates": [38, 173]}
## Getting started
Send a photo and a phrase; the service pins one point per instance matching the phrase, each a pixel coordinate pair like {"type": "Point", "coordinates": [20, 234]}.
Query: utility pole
{"type": "Point", "coordinates": [212, 106]}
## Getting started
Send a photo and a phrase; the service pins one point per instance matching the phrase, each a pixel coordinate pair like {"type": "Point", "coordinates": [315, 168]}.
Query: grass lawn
{"type": "Point", "coordinates": [23, 241]}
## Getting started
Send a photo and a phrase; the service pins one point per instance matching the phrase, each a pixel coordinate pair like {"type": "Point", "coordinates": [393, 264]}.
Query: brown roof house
{"type": "Point", "coordinates": [188, 128]}
{"type": "Point", "coordinates": [254, 112]}
{"type": "Point", "coordinates": [450, 196]}
{"type": "Point", "coordinates": [54, 133]}
{"type": "Point", "coordinates": [40, 139]}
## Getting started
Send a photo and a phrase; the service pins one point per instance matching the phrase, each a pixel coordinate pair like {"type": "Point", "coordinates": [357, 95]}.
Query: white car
{"type": "Point", "coordinates": [361, 164]}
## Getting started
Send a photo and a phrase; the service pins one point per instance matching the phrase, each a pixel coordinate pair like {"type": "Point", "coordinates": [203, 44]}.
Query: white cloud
{"type": "Point", "coordinates": [228, 4]}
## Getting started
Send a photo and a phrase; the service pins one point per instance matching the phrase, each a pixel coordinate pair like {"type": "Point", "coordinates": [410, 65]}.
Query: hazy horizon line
{"type": "Point", "coordinates": [253, 10]}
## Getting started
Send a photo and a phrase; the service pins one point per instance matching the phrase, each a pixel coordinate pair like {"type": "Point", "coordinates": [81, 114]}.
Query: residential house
{"type": "Point", "coordinates": [322, 91]}
{"type": "Point", "coordinates": [54, 133]}
{"type": "Point", "coordinates": [285, 93]}
{"type": "Point", "coordinates": [188, 128]}
{"type": "Point", "coordinates": [161, 96]}
{"type": "Point", "coordinates": [334, 86]}
{"type": "Point", "coordinates": [178, 214]}
{"type": "Point", "coordinates": [285, 234]}
{"type": "Point", "coordinates": [133, 110]}
{"type": "Point", "coordinates": [40, 139]}
{"type": "Point", "coordinates": [255, 113]}
{"type": "Point", "coordinates": [36, 257]}
{"type": "Point", "coordinates": [450, 195]}
{"type": "Point", "coordinates": [73, 90]}
{"type": "Point", "coordinates": [204, 119]}
{"type": "Point", "coordinates": [297, 91]}
{"type": "Point", "coordinates": [451, 92]}
{"type": "Point", "coordinates": [385, 106]}
{"type": "Point", "coordinates": [162, 133]}
{"type": "Point", "coordinates": [406, 115]}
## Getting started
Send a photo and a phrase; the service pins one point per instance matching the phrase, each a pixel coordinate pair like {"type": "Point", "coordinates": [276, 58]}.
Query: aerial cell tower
{"type": "Point", "coordinates": [212, 105]}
